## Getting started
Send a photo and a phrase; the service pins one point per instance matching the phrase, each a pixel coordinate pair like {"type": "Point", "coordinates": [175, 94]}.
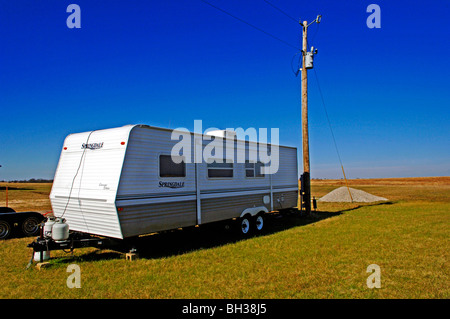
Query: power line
{"type": "Point", "coordinates": [326, 114]}
{"type": "Point", "coordinates": [315, 33]}
{"type": "Point", "coordinates": [283, 12]}
{"type": "Point", "coordinates": [251, 25]}
{"type": "Point", "coordinates": [329, 124]}
{"type": "Point", "coordinates": [296, 72]}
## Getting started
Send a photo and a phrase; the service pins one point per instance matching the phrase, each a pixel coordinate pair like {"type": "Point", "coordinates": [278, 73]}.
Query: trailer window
{"type": "Point", "coordinates": [253, 169]}
{"type": "Point", "coordinates": [169, 168]}
{"type": "Point", "coordinates": [220, 169]}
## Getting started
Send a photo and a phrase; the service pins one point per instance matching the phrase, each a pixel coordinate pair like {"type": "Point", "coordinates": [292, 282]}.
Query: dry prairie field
{"type": "Point", "coordinates": [325, 256]}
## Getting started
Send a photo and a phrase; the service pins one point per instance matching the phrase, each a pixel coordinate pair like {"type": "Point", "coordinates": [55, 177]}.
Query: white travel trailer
{"type": "Point", "coordinates": [123, 182]}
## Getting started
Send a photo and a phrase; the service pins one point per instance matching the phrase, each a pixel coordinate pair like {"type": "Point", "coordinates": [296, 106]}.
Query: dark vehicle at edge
{"type": "Point", "coordinates": [24, 223]}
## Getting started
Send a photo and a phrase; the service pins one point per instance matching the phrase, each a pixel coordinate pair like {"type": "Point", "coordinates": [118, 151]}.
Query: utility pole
{"type": "Point", "coordinates": [307, 63]}
{"type": "Point", "coordinates": [306, 181]}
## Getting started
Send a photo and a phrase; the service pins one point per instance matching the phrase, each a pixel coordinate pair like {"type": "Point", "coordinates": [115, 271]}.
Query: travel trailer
{"type": "Point", "coordinates": [124, 182]}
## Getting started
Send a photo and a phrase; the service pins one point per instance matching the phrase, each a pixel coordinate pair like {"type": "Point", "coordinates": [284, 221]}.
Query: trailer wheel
{"type": "Point", "coordinates": [259, 223]}
{"type": "Point", "coordinates": [30, 226]}
{"type": "Point", "coordinates": [5, 229]}
{"type": "Point", "coordinates": [245, 225]}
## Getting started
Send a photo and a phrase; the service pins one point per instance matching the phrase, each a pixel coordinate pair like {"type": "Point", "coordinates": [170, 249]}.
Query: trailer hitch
{"type": "Point", "coordinates": [76, 240]}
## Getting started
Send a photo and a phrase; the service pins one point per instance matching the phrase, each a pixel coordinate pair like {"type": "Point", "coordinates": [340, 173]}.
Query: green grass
{"type": "Point", "coordinates": [326, 257]}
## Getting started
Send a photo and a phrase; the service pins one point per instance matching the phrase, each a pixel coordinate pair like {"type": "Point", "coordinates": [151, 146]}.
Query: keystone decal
{"type": "Point", "coordinates": [92, 146]}
{"type": "Point", "coordinates": [171, 184]}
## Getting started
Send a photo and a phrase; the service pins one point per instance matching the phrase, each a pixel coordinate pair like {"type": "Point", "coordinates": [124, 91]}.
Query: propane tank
{"type": "Point", "coordinates": [45, 256]}
{"type": "Point", "coordinates": [60, 230]}
{"type": "Point", "coordinates": [48, 227]}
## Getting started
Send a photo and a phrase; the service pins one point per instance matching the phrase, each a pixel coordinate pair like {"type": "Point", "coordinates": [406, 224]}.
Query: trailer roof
{"type": "Point", "coordinates": [194, 133]}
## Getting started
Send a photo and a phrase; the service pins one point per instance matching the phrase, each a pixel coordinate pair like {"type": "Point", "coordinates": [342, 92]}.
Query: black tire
{"type": "Point", "coordinates": [258, 223]}
{"type": "Point", "coordinates": [30, 226]}
{"type": "Point", "coordinates": [245, 225]}
{"type": "Point", "coordinates": [5, 229]}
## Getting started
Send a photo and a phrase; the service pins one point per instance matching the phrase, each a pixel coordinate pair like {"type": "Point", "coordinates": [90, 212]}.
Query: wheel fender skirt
{"type": "Point", "coordinates": [253, 211]}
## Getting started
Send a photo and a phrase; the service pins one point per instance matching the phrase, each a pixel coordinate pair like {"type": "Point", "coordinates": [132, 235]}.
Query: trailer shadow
{"type": "Point", "coordinates": [178, 242]}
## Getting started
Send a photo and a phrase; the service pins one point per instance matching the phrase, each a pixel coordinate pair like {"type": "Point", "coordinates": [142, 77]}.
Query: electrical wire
{"type": "Point", "coordinates": [251, 25]}
{"type": "Point", "coordinates": [73, 181]}
{"type": "Point", "coordinates": [331, 130]}
{"type": "Point", "coordinates": [315, 33]}
{"type": "Point", "coordinates": [296, 72]}
{"type": "Point", "coordinates": [76, 174]}
{"type": "Point", "coordinates": [283, 12]}
{"type": "Point", "coordinates": [326, 114]}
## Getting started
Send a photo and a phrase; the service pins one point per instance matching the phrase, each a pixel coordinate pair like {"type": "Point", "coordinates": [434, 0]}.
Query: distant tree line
{"type": "Point", "coordinates": [32, 180]}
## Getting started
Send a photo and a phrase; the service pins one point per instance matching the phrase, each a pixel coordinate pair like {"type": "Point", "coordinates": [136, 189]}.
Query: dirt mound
{"type": "Point", "coordinates": [341, 195]}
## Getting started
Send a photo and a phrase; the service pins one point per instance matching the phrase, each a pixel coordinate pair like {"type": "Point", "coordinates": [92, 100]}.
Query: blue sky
{"type": "Point", "coordinates": [168, 63]}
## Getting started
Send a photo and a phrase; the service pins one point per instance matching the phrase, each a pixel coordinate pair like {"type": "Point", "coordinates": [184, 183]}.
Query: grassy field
{"type": "Point", "coordinates": [322, 257]}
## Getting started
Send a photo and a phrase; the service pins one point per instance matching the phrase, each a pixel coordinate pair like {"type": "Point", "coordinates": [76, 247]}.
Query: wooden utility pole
{"type": "Point", "coordinates": [306, 182]}
{"type": "Point", "coordinates": [307, 63]}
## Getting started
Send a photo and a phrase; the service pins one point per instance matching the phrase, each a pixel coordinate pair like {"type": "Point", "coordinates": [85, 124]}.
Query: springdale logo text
{"type": "Point", "coordinates": [171, 184]}
{"type": "Point", "coordinates": [92, 146]}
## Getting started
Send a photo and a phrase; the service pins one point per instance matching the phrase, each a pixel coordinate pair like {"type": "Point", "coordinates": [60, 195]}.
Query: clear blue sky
{"type": "Point", "coordinates": [168, 63]}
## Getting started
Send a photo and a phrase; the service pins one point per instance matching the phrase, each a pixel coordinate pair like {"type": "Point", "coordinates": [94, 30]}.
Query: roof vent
{"type": "Point", "coordinates": [222, 133]}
